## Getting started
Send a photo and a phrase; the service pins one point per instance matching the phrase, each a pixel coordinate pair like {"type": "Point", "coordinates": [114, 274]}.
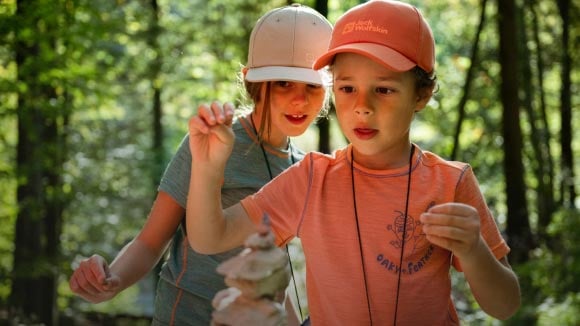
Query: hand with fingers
{"type": "Point", "coordinates": [92, 280]}
{"type": "Point", "coordinates": [453, 226]}
{"type": "Point", "coordinates": [211, 137]}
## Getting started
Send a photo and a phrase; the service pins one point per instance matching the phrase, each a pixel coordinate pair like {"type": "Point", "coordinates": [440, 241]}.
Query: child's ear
{"type": "Point", "coordinates": [423, 97]}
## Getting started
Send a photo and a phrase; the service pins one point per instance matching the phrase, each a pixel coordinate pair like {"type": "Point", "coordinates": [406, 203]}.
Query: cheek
{"type": "Point", "coordinates": [342, 105]}
{"type": "Point", "coordinates": [344, 117]}
{"type": "Point", "coordinates": [317, 100]}
{"type": "Point", "coordinates": [276, 104]}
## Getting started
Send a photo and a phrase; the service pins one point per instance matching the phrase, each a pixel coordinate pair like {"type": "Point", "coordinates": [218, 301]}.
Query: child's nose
{"type": "Point", "coordinates": [301, 95]}
{"type": "Point", "coordinates": [363, 106]}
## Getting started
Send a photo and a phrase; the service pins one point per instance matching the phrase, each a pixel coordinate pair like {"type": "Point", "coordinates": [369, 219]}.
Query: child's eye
{"type": "Point", "coordinates": [282, 83]}
{"type": "Point", "coordinates": [346, 89]}
{"type": "Point", "coordinates": [384, 90]}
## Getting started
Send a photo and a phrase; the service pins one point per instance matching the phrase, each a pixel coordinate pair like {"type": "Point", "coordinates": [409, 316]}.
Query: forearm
{"type": "Point", "coordinates": [211, 139]}
{"type": "Point", "coordinates": [494, 285]}
{"type": "Point", "coordinates": [133, 262]}
{"type": "Point", "coordinates": [292, 316]}
{"type": "Point", "coordinates": [205, 221]}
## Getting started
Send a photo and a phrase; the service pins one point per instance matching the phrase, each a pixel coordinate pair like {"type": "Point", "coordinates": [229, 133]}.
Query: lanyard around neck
{"type": "Point", "coordinates": [403, 240]}
{"type": "Point", "coordinates": [272, 177]}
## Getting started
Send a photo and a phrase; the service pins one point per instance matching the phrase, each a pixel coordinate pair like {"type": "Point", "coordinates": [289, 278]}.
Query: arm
{"type": "Point", "coordinates": [291, 313]}
{"type": "Point", "coordinates": [456, 227]}
{"type": "Point", "coordinates": [211, 229]}
{"type": "Point", "coordinates": [96, 281]}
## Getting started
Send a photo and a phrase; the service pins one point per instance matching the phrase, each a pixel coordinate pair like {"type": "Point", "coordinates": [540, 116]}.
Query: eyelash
{"type": "Point", "coordinates": [284, 83]}
{"type": "Point", "coordinates": [384, 90]}
{"type": "Point", "coordinates": [380, 90]}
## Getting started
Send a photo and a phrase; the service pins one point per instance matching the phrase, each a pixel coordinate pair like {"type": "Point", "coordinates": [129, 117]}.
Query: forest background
{"type": "Point", "coordinates": [95, 97]}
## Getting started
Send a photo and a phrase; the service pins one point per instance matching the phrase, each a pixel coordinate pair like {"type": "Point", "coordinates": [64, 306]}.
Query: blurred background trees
{"type": "Point", "coordinates": [95, 96]}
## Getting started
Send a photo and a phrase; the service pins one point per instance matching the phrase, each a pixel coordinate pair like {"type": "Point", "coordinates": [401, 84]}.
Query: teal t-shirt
{"type": "Point", "coordinates": [188, 280]}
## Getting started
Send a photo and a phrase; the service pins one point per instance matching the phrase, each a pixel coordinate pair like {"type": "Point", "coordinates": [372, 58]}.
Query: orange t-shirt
{"type": "Point", "coordinates": [313, 200]}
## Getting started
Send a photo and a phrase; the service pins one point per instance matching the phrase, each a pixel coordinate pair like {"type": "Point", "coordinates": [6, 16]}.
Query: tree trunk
{"type": "Point", "coordinates": [39, 164]}
{"type": "Point", "coordinates": [157, 109]}
{"type": "Point", "coordinates": [323, 124]}
{"type": "Point", "coordinates": [540, 159]}
{"type": "Point", "coordinates": [518, 231]}
{"type": "Point", "coordinates": [156, 88]}
{"type": "Point", "coordinates": [567, 188]}
{"type": "Point", "coordinates": [468, 80]}
{"type": "Point", "coordinates": [545, 137]}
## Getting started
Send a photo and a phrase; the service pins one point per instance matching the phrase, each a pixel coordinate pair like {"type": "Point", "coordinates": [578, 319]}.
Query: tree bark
{"type": "Point", "coordinates": [468, 79]}
{"type": "Point", "coordinates": [567, 187]}
{"type": "Point", "coordinates": [518, 231]}
{"type": "Point", "coordinates": [545, 137]}
{"type": "Point", "coordinates": [538, 134]}
{"type": "Point", "coordinates": [157, 108]}
{"type": "Point", "coordinates": [40, 154]}
{"type": "Point", "coordinates": [323, 124]}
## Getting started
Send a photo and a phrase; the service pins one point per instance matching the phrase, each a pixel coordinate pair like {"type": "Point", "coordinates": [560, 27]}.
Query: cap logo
{"type": "Point", "coordinates": [364, 26]}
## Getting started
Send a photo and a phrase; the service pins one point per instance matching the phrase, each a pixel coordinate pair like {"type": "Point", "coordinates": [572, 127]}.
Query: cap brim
{"type": "Point", "coordinates": [295, 74]}
{"type": "Point", "coordinates": [379, 53]}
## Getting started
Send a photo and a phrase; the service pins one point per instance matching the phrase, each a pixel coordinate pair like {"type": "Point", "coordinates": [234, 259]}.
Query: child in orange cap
{"type": "Point", "coordinates": [381, 221]}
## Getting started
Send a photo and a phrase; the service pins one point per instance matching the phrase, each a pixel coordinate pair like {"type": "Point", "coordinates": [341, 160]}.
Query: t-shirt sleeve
{"type": "Point", "coordinates": [283, 199]}
{"type": "Point", "coordinates": [468, 192]}
{"type": "Point", "coordinates": [175, 180]}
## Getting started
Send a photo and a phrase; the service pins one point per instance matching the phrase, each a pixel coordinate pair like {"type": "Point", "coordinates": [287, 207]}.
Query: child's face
{"type": "Point", "coordinates": [293, 106]}
{"type": "Point", "coordinates": [374, 105]}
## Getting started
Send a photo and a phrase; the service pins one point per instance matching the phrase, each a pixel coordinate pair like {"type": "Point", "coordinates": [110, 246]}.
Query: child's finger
{"type": "Point", "coordinates": [197, 124]}
{"type": "Point", "coordinates": [218, 111]}
{"type": "Point", "coordinates": [206, 114]}
{"type": "Point", "coordinates": [83, 282]}
{"type": "Point", "coordinates": [223, 133]}
{"type": "Point", "coordinates": [98, 267]}
{"type": "Point", "coordinates": [229, 110]}
{"type": "Point", "coordinates": [458, 209]}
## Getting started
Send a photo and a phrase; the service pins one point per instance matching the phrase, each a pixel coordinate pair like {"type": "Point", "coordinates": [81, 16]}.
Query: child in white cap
{"type": "Point", "coordinates": [287, 96]}
{"type": "Point", "coordinates": [381, 221]}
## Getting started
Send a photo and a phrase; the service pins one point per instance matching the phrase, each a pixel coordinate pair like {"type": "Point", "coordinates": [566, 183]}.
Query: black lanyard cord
{"type": "Point", "coordinates": [272, 177]}
{"type": "Point", "coordinates": [359, 238]}
{"type": "Point", "coordinates": [403, 240]}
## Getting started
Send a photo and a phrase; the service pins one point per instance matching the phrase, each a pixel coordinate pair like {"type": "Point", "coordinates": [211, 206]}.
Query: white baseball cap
{"type": "Point", "coordinates": [284, 44]}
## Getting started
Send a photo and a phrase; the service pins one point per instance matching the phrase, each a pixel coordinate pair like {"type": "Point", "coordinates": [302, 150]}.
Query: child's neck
{"type": "Point", "coordinates": [278, 142]}
{"type": "Point", "coordinates": [393, 158]}
{"type": "Point", "coordinates": [272, 137]}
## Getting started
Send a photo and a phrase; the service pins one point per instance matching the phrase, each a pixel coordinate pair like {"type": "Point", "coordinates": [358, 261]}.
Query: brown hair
{"type": "Point", "coordinates": [253, 91]}
{"type": "Point", "coordinates": [424, 81]}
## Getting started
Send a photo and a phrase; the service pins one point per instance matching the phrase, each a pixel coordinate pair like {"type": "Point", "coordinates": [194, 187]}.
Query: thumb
{"type": "Point", "coordinates": [108, 276]}
{"type": "Point", "coordinates": [112, 282]}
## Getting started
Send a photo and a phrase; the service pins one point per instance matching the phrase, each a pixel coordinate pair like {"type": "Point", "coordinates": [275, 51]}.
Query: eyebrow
{"type": "Point", "coordinates": [380, 78]}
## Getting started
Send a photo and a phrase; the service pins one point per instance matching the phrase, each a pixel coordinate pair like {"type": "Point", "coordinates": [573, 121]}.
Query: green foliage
{"type": "Point", "coordinates": [555, 269]}
{"type": "Point", "coordinates": [566, 312]}
{"type": "Point", "coordinates": [549, 281]}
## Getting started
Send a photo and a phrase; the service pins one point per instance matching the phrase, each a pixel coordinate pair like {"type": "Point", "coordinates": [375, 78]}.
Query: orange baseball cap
{"type": "Point", "coordinates": [393, 33]}
{"type": "Point", "coordinates": [284, 44]}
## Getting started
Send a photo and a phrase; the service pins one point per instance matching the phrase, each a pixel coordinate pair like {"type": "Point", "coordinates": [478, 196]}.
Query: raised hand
{"type": "Point", "coordinates": [453, 226]}
{"type": "Point", "coordinates": [92, 280]}
{"type": "Point", "coordinates": [211, 137]}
